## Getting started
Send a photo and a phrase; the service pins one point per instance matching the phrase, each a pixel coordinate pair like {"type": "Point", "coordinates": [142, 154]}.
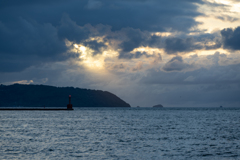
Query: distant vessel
{"type": "Point", "coordinates": [220, 106]}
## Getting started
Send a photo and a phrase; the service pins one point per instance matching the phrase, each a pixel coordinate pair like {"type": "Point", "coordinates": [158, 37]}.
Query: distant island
{"type": "Point", "coordinates": [159, 106]}
{"type": "Point", "coordinates": [50, 96]}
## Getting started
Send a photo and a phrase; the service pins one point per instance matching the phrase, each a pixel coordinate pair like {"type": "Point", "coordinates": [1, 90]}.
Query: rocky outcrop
{"type": "Point", "coordinates": [159, 106]}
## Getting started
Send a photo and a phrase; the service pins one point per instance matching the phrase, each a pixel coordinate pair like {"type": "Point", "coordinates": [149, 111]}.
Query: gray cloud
{"type": "Point", "coordinates": [135, 38]}
{"type": "Point", "coordinates": [175, 64]}
{"type": "Point", "coordinates": [216, 74]}
{"type": "Point", "coordinates": [127, 55]}
{"type": "Point", "coordinates": [227, 18]}
{"type": "Point", "coordinates": [216, 57]}
{"type": "Point", "coordinates": [93, 4]}
{"type": "Point", "coordinates": [213, 86]}
{"type": "Point", "coordinates": [27, 44]}
{"type": "Point", "coordinates": [154, 41]}
{"type": "Point", "coordinates": [96, 46]}
{"type": "Point", "coordinates": [231, 38]}
{"type": "Point", "coordinates": [30, 36]}
{"type": "Point", "coordinates": [173, 45]}
{"type": "Point", "coordinates": [184, 43]}
{"type": "Point", "coordinates": [153, 15]}
{"type": "Point", "coordinates": [73, 32]}
{"type": "Point", "coordinates": [218, 44]}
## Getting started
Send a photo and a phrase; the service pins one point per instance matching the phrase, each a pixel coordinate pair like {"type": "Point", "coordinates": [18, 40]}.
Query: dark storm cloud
{"type": "Point", "coordinates": [127, 55]}
{"type": "Point", "coordinates": [231, 38]}
{"type": "Point", "coordinates": [33, 32]}
{"type": "Point", "coordinates": [209, 41]}
{"type": "Point", "coordinates": [175, 64]}
{"type": "Point", "coordinates": [153, 15]}
{"type": "Point", "coordinates": [184, 43]}
{"type": "Point", "coordinates": [130, 39]}
{"type": "Point", "coordinates": [154, 41]}
{"type": "Point", "coordinates": [218, 44]}
{"type": "Point", "coordinates": [135, 38]}
{"type": "Point", "coordinates": [145, 15]}
{"type": "Point", "coordinates": [71, 31]}
{"type": "Point", "coordinates": [173, 45]}
{"type": "Point", "coordinates": [28, 43]}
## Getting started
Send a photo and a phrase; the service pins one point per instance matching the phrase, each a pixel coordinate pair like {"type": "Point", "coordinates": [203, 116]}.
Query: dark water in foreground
{"type": "Point", "coordinates": [121, 133]}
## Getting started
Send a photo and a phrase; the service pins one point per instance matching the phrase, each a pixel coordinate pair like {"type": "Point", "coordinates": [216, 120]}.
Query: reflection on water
{"type": "Point", "coordinates": [121, 133]}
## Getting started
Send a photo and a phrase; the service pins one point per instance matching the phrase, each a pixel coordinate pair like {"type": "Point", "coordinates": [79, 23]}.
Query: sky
{"type": "Point", "coordinates": [178, 53]}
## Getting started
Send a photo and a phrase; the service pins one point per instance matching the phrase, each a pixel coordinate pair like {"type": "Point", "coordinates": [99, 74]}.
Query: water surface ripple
{"type": "Point", "coordinates": [121, 133]}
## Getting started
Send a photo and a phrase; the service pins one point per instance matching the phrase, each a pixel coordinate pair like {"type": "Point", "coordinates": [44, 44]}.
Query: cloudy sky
{"type": "Point", "coordinates": [176, 53]}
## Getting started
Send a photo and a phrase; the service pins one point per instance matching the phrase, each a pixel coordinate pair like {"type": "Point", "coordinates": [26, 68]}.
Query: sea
{"type": "Point", "coordinates": [121, 133]}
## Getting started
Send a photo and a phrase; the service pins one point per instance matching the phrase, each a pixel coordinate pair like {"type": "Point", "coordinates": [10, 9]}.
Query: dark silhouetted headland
{"type": "Point", "coordinates": [50, 96]}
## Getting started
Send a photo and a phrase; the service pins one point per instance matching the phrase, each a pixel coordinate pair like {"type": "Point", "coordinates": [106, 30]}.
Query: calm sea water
{"type": "Point", "coordinates": [121, 133]}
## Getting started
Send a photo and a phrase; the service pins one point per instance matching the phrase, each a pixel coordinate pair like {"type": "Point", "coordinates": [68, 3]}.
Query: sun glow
{"type": "Point", "coordinates": [87, 59]}
{"type": "Point", "coordinates": [149, 50]}
{"type": "Point", "coordinates": [162, 34]}
{"type": "Point", "coordinates": [207, 52]}
{"type": "Point", "coordinates": [236, 8]}
{"type": "Point", "coordinates": [226, 15]}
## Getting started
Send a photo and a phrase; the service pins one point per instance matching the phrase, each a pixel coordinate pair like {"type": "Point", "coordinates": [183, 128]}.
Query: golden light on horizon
{"type": "Point", "coordinates": [236, 8]}
{"type": "Point", "coordinates": [75, 45]}
{"type": "Point", "coordinates": [87, 59]}
{"type": "Point", "coordinates": [94, 64]}
{"type": "Point", "coordinates": [211, 24]}
{"type": "Point", "coordinates": [149, 50]}
{"type": "Point", "coordinates": [162, 34]}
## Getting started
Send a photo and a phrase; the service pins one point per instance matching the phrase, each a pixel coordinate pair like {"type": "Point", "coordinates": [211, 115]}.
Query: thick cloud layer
{"type": "Point", "coordinates": [231, 38]}
{"type": "Point", "coordinates": [154, 15]}
{"type": "Point", "coordinates": [173, 45]}
{"type": "Point", "coordinates": [175, 64]}
{"type": "Point", "coordinates": [30, 36]}
{"type": "Point", "coordinates": [29, 43]}
{"type": "Point", "coordinates": [185, 44]}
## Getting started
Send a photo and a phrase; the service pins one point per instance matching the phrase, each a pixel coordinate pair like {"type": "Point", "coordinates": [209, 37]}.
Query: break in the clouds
{"type": "Point", "coordinates": [138, 49]}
